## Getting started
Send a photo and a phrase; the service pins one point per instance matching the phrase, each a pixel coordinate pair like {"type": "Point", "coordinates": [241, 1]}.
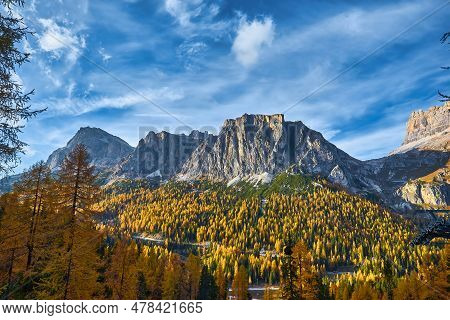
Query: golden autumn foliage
{"type": "Point", "coordinates": [62, 239]}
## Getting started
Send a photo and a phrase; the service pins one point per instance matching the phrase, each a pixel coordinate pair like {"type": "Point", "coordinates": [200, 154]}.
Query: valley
{"type": "Point", "coordinates": [211, 217]}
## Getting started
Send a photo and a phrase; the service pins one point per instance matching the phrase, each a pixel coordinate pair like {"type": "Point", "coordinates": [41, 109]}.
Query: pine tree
{"type": "Point", "coordinates": [207, 288]}
{"type": "Point", "coordinates": [289, 290]}
{"type": "Point", "coordinates": [142, 291]}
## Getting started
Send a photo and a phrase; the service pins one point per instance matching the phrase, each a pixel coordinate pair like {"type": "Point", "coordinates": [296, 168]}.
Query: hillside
{"type": "Point", "coordinates": [335, 225]}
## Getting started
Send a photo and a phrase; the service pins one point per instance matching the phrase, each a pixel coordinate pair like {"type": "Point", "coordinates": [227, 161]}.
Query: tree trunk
{"type": "Point", "coordinates": [72, 233]}
{"type": "Point", "coordinates": [30, 244]}
{"type": "Point", "coordinates": [10, 271]}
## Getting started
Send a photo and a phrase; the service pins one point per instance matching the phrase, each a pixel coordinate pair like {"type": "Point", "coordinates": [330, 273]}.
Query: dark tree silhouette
{"type": "Point", "coordinates": [444, 39]}
{"type": "Point", "coordinates": [14, 103]}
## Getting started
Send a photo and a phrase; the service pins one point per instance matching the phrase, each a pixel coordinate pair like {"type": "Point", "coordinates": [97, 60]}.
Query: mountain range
{"type": "Point", "coordinates": [255, 148]}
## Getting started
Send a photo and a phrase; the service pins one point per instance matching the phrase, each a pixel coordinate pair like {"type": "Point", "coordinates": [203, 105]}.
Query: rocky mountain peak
{"type": "Point", "coordinates": [105, 150]}
{"type": "Point", "coordinates": [422, 124]}
{"type": "Point", "coordinates": [248, 119]}
{"type": "Point", "coordinates": [160, 154]}
{"type": "Point", "coordinates": [428, 130]}
{"type": "Point", "coordinates": [255, 145]}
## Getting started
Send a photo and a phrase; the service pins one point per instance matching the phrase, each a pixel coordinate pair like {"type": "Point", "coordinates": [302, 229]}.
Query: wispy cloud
{"type": "Point", "coordinates": [59, 40]}
{"type": "Point", "coordinates": [71, 105]}
{"type": "Point", "coordinates": [105, 56]}
{"type": "Point", "coordinates": [183, 10]}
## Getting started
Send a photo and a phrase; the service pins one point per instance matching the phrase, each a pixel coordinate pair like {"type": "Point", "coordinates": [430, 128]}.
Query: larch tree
{"type": "Point", "coordinates": [172, 285]}
{"type": "Point", "coordinates": [194, 271]}
{"type": "Point", "coordinates": [122, 275]}
{"type": "Point", "coordinates": [240, 284]}
{"type": "Point", "coordinates": [14, 103]}
{"type": "Point", "coordinates": [32, 188]}
{"type": "Point", "coordinates": [72, 268]}
{"type": "Point", "coordinates": [23, 227]}
{"type": "Point", "coordinates": [222, 283]}
{"type": "Point", "coordinates": [12, 244]}
{"type": "Point", "coordinates": [306, 279]}
{"type": "Point", "coordinates": [152, 268]}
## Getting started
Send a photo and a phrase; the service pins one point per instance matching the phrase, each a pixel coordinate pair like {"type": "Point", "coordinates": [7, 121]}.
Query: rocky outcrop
{"type": "Point", "coordinates": [160, 155]}
{"type": "Point", "coordinates": [420, 165]}
{"type": "Point", "coordinates": [426, 194]}
{"type": "Point", "coordinates": [422, 124]}
{"type": "Point", "coordinates": [105, 150]}
{"type": "Point", "coordinates": [252, 145]}
{"type": "Point", "coordinates": [428, 130]}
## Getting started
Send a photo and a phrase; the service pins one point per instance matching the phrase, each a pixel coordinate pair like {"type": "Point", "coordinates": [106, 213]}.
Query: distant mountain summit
{"type": "Point", "coordinates": [160, 155]}
{"type": "Point", "coordinates": [428, 130]}
{"type": "Point", "coordinates": [105, 150]}
{"type": "Point", "coordinates": [256, 147]}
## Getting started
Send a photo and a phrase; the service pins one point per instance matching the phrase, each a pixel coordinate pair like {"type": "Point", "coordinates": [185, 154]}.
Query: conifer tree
{"type": "Point", "coordinates": [72, 268]}
{"type": "Point", "coordinates": [12, 244]}
{"type": "Point", "coordinates": [240, 284]}
{"type": "Point", "coordinates": [32, 188]}
{"type": "Point", "coordinates": [288, 288]}
{"type": "Point", "coordinates": [172, 287]}
{"type": "Point", "coordinates": [194, 271]}
{"type": "Point", "coordinates": [222, 283]}
{"type": "Point", "coordinates": [14, 104]}
{"type": "Point", "coordinates": [307, 285]}
{"type": "Point", "coordinates": [152, 268]}
{"type": "Point", "coordinates": [207, 288]}
{"type": "Point", "coordinates": [122, 274]}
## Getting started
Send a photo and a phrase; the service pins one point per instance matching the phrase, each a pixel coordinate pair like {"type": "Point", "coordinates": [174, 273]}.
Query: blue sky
{"type": "Point", "coordinates": [122, 65]}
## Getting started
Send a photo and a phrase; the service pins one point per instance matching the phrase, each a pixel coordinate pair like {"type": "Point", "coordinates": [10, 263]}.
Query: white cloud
{"type": "Point", "coordinates": [250, 39]}
{"type": "Point", "coordinates": [183, 10]}
{"type": "Point", "coordinates": [56, 37]}
{"type": "Point", "coordinates": [105, 56]}
{"type": "Point", "coordinates": [60, 41]}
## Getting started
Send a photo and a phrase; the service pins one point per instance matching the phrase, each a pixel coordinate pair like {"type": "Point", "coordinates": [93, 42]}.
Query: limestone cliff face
{"type": "Point", "coordinates": [428, 130]}
{"type": "Point", "coordinates": [105, 150]}
{"type": "Point", "coordinates": [252, 145]}
{"type": "Point", "coordinates": [428, 194]}
{"type": "Point", "coordinates": [427, 136]}
{"type": "Point", "coordinates": [422, 124]}
{"type": "Point", "coordinates": [160, 155]}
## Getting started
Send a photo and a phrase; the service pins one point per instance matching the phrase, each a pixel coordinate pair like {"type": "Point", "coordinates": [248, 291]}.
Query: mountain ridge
{"type": "Point", "coordinates": [257, 147]}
